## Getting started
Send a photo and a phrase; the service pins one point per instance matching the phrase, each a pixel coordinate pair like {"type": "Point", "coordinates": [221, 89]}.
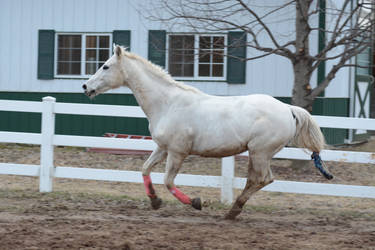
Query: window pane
{"type": "Point", "coordinates": [218, 42]}
{"type": "Point", "coordinates": [205, 42]}
{"type": "Point", "coordinates": [218, 56]}
{"type": "Point", "coordinates": [189, 56]}
{"type": "Point", "coordinates": [204, 70]}
{"type": "Point", "coordinates": [69, 55]}
{"type": "Point", "coordinates": [188, 42]}
{"type": "Point", "coordinates": [69, 68]}
{"type": "Point", "coordinates": [104, 42]}
{"type": "Point", "coordinates": [175, 69]}
{"type": "Point", "coordinates": [63, 68]}
{"type": "Point", "coordinates": [90, 68]}
{"type": "Point", "coordinates": [90, 55]}
{"type": "Point", "coordinates": [175, 42]}
{"type": "Point", "coordinates": [75, 68]}
{"type": "Point", "coordinates": [204, 56]}
{"type": "Point", "coordinates": [217, 70]}
{"type": "Point", "coordinates": [188, 70]}
{"type": "Point", "coordinates": [75, 55]}
{"type": "Point", "coordinates": [181, 55]}
{"type": "Point", "coordinates": [91, 41]}
{"type": "Point", "coordinates": [76, 41]}
{"type": "Point", "coordinates": [181, 42]}
{"type": "Point", "coordinates": [175, 56]}
{"type": "Point", "coordinates": [63, 55]}
{"type": "Point", "coordinates": [63, 41]}
{"type": "Point", "coordinates": [69, 41]}
{"type": "Point", "coordinates": [103, 54]}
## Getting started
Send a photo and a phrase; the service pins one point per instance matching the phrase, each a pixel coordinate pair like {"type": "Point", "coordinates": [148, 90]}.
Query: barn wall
{"type": "Point", "coordinates": [20, 21]}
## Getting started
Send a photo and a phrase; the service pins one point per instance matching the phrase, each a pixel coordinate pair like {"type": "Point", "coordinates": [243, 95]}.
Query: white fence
{"type": "Point", "coordinates": [48, 139]}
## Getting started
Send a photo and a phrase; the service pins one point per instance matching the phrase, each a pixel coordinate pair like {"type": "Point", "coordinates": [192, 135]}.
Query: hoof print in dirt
{"type": "Point", "coordinates": [156, 203]}
{"type": "Point", "coordinates": [196, 203]}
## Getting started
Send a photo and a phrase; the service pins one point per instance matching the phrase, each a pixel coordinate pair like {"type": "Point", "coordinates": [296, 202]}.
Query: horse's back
{"type": "Point", "coordinates": [224, 126]}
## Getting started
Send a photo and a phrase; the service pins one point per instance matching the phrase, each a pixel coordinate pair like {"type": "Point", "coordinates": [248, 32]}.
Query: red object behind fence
{"type": "Point", "coordinates": [122, 151]}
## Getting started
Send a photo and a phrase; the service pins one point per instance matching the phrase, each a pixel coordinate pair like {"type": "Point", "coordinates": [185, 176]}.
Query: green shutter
{"type": "Point", "coordinates": [122, 37]}
{"type": "Point", "coordinates": [236, 68]}
{"type": "Point", "coordinates": [321, 44]}
{"type": "Point", "coordinates": [46, 52]}
{"type": "Point", "coordinates": [156, 46]}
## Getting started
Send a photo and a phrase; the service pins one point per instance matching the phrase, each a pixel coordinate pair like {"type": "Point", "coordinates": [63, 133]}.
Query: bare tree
{"type": "Point", "coordinates": [348, 33]}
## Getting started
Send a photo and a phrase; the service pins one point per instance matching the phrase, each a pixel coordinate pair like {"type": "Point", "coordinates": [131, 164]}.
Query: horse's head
{"type": "Point", "coordinates": [111, 75]}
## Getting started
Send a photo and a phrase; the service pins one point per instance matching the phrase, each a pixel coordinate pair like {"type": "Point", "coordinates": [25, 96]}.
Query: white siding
{"type": "Point", "coordinates": [20, 21]}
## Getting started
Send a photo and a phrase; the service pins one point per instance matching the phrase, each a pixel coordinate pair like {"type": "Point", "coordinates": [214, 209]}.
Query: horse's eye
{"type": "Point", "coordinates": [105, 67]}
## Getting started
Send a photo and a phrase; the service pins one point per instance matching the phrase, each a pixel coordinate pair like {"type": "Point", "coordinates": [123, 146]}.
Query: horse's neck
{"type": "Point", "coordinates": [151, 93]}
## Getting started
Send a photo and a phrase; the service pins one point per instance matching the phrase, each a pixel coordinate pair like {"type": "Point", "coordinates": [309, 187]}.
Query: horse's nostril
{"type": "Point", "coordinates": [84, 86]}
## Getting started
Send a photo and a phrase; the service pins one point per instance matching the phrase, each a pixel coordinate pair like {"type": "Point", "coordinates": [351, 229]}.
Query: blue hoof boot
{"type": "Point", "coordinates": [320, 165]}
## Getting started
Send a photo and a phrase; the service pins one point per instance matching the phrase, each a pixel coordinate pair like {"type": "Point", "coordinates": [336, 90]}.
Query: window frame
{"type": "Point", "coordinates": [196, 57]}
{"type": "Point", "coordinates": [83, 52]}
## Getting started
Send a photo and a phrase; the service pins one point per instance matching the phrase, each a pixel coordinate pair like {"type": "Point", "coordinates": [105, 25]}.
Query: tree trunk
{"type": "Point", "coordinates": [302, 63]}
{"type": "Point", "coordinates": [301, 89]}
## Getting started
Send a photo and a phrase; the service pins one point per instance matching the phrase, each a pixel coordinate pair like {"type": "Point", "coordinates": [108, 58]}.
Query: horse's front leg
{"type": "Point", "coordinates": [156, 157]}
{"type": "Point", "coordinates": [174, 162]}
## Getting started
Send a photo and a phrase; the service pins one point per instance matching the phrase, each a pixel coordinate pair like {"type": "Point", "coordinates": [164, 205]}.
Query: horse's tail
{"type": "Point", "coordinates": [308, 134]}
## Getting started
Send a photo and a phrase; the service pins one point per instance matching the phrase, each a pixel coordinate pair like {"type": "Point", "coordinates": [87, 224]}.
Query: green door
{"type": "Point", "coordinates": [362, 87]}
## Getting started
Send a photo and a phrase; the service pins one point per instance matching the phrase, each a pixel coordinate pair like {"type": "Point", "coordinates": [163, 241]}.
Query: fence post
{"type": "Point", "coordinates": [227, 173]}
{"type": "Point", "coordinates": [46, 148]}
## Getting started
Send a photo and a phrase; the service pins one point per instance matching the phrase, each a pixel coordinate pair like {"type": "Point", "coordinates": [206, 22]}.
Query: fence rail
{"type": "Point", "coordinates": [227, 181]}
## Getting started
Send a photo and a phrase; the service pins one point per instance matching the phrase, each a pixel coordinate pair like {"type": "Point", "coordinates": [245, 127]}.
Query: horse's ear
{"type": "Point", "coordinates": [118, 51]}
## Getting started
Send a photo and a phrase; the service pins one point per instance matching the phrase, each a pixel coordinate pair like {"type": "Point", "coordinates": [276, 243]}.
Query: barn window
{"type": "Point", "coordinates": [69, 55]}
{"type": "Point", "coordinates": [81, 55]}
{"type": "Point", "coordinates": [97, 52]}
{"type": "Point", "coordinates": [197, 56]}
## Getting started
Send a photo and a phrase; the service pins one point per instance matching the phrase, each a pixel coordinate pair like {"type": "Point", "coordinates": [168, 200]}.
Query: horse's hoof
{"type": "Point", "coordinates": [196, 203]}
{"type": "Point", "coordinates": [156, 203]}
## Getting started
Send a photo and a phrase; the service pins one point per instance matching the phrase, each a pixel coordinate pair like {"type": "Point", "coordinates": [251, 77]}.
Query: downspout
{"type": "Point", "coordinates": [351, 85]}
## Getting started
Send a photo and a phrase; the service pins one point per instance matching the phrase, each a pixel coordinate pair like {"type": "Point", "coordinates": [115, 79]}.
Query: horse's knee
{"type": "Point", "coordinates": [145, 171]}
{"type": "Point", "coordinates": [260, 178]}
{"type": "Point", "coordinates": [156, 157]}
{"type": "Point", "coordinates": [168, 182]}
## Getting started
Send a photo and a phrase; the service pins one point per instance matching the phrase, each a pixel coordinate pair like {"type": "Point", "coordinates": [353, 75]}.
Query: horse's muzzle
{"type": "Point", "coordinates": [89, 93]}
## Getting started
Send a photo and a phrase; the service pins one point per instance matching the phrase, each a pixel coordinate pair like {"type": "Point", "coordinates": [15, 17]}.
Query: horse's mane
{"type": "Point", "coordinates": [160, 72]}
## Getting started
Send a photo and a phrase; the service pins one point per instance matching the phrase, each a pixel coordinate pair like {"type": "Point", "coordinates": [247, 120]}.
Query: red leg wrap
{"type": "Point", "coordinates": [180, 196]}
{"type": "Point", "coordinates": [150, 191]}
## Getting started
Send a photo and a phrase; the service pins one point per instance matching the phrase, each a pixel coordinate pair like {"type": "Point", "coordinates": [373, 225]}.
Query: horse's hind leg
{"type": "Point", "coordinates": [174, 162]}
{"type": "Point", "coordinates": [156, 157]}
{"type": "Point", "coordinates": [259, 175]}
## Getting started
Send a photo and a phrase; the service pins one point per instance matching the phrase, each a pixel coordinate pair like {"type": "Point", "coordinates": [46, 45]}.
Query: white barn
{"type": "Point", "coordinates": [50, 47]}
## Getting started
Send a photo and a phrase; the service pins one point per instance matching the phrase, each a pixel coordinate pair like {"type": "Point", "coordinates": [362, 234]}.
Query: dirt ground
{"type": "Point", "coordinates": [83, 214]}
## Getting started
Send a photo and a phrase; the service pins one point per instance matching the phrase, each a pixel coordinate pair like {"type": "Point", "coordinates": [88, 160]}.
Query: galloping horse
{"type": "Point", "coordinates": [185, 121]}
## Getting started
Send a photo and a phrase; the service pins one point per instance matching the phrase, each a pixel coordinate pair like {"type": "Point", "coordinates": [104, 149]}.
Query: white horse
{"type": "Point", "coordinates": [185, 121]}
